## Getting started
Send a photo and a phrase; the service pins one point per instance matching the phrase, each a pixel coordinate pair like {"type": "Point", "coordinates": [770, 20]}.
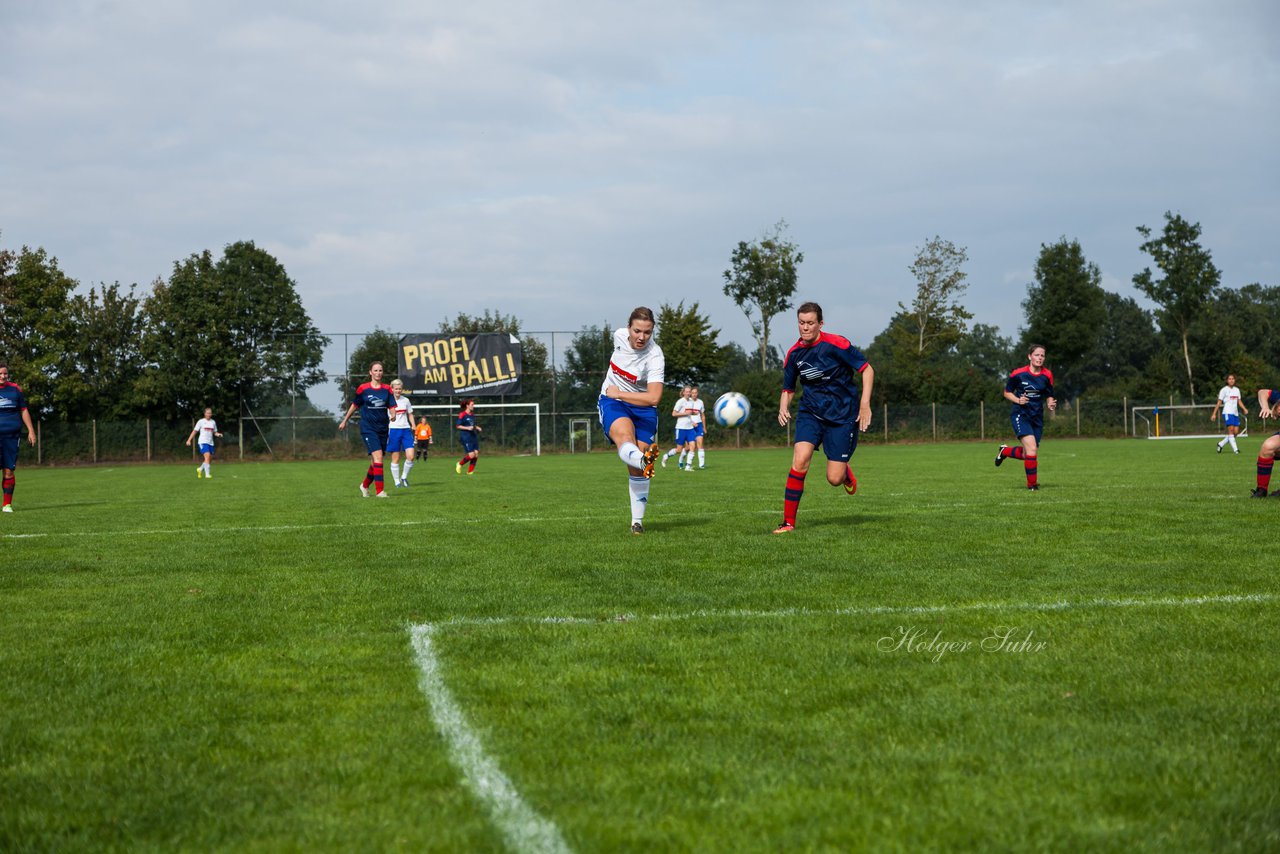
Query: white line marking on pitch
{"type": "Point", "coordinates": [522, 827]}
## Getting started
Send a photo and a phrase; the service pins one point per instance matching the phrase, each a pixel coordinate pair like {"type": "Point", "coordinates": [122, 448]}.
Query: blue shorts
{"type": "Point", "coordinates": [470, 443]}
{"type": "Point", "coordinates": [399, 439]}
{"type": "Point", "coordinates": [9, 451]}
{"type": "Point", "coordinates": [206, 449]}
{"type": "Point", "coordinates": [684, 437]}
{"type": "Point", "coordinates": [838, 441]}
{"type": "Point", "coordinates": [699, 431]}
{"type": "Point", "coordinates": [645, 418]}
{"type": "Point", "coordinates": [1025, 425]}
{"type": "Point", "coordinates": [373, 441]}
{"type": "Point", "coordinates": [1231, 420]}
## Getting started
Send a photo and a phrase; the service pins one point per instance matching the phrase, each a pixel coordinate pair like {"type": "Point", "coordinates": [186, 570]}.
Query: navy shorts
{"type": "Point", "coordinates": [838, 441]}
{"type": "Point", "coordinates": [1025, 425]}
{"type": "Point", "coordinates": [373, 441]}
{"type": "Point", "coordinates": [9, 451]}
{"type": "Point", "coordinates": [645, 418]}
{"type": "Point", "coordinates": [469, 441]}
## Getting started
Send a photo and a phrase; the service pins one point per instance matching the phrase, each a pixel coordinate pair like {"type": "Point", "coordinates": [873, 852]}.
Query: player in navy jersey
{"type": "Point", "coordinates": [832, 410]}
{"type": "Point", "coordinates": [375, 402]}
{"type": "Point", "coordinates": [1268, 407]}
{"type": "Point", "coordinates": [469, 435]}
{"type": "Point", "coordinates": [13, 417]}
{"type": "Point", "coordinates": [1029, 389]}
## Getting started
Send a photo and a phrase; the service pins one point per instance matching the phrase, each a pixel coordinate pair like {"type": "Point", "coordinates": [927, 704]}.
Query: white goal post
{"type": "Point", "coordinates": [453, 407]}
{"type": "Point", "coordinates": [1183, 421]}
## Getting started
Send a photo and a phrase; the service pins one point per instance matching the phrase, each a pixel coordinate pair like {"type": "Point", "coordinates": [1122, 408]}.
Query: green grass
{"type": "Point", "coordinates": [227, 664]}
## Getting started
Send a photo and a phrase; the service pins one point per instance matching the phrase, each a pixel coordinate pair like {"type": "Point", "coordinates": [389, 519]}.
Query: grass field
{"type": "Point", "coordinates": [265, 661]}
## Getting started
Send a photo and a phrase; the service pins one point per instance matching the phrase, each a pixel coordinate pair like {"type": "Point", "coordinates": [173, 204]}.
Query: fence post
{"type": "Point", "coordinates": [39, 444]}
{"type": "Point", "coordinates": [95, 440]}
{"type": "Point", "coordinates": [1077, 417]}
{"type": "Point", "coordinates": [934, 405]}
{"type": "Point", "coordinates": [886, 422]}
{"type": "Point", "coordinates": [240, 427]}
{"type": "Point", "coordinates": [1124, 415]}
{"type": "Point", "coordinates": [148, 440]}
{"type": "Point", "coordinates": [982, 420]}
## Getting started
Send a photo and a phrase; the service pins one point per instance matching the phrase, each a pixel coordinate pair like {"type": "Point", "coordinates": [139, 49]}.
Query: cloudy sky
{"type": "Point", "coordinates": [566, 160]}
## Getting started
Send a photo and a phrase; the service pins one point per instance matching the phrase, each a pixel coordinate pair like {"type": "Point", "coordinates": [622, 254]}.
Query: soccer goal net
{"type": "Point", "coordinates": [1183, 421]}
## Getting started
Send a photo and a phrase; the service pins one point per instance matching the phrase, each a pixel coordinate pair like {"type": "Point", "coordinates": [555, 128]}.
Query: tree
{"type": "Point", "coordinates": [34, 329]}
{"type": "Point", "coordinates": [689, 345]}
{"type": "Point", "coordinates": [1121, 362]}
{"type": "Point", "coordinates": [1189, 280]}
{"type": "Point", "coordinates": [584, 367]}
{"type": "Point", "coordinates": [1065, 311]}
{"type": "Point", "coordinates": [102, 367]}
{"type": "Point", "coordinates": [762, 281]}
{"type": "Point", "coordinates": [935, 318]}
{"type": "Point", "coordinates": [228, 334]}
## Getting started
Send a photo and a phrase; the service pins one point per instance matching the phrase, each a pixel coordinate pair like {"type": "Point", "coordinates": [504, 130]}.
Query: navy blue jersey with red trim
{"type": "Point", "coordinates": [1034, 387]}
{"type": "Point", "coordinates": [466, 419]}
{"type": "Point", "coordinates": [1273, 396]}
{"type": "Point", "coordinates": [12, 405]}
{"type": "Point", "coordinates": [829, 368]}
{"type": "Point", "coordinates": [375, 406]}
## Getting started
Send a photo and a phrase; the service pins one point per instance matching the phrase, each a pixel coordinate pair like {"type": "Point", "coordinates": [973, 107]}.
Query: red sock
{"type": "Point", "coordinates": [375, 472]}
{"type": "Point", "coordinates": [1018, 453]}
{"type": "Point", "coordinates": [472, 467]}
{"type": "Point", "coordinates": [1029, 463]}
{"type": "Point", "coordinates": [464, 461]}
{"type": "Point", "coordinates": [8, 490]}
{"type": "Point", "coordinates": [1264, 476]}
{"type": "Point", "coordinates": [791, 496]}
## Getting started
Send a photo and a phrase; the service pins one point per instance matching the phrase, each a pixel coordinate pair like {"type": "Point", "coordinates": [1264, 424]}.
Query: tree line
{"type": "Point", "coordinates": [231, 332]}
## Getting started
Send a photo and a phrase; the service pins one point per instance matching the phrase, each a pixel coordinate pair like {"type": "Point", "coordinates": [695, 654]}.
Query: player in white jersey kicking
{"type": "Point", "coordinates": [628, 405]}
{"type": "Point", "coordinates": [1231, 403]}
{"type": "Point", "coordinates": [207, 428]}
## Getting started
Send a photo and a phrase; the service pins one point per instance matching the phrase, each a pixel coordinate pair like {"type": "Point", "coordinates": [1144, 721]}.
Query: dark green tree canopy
{"type": "Point", "coordinates": [35, 328]}
{"type": "Point", "coordinates": [689, 345]}
{"type": "Point", "coordinates": [231, 334]}
{"type": "Point", "coordinates": [99, 375]}
{"type": "Point", "coordinates": [1065, 310]}
{"type": "Point", "coordinates": [1188, 282]}
{"type": "Point", "coordinates": [762, 281]}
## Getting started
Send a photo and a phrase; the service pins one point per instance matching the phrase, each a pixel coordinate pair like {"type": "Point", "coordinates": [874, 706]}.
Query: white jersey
{"type": "Point", "coordinates": [401, 414]}
{"type": "Point", "coordinates": [684, 421]}
{"type": "Point", "coordinates": [697, 408]}
{"type": "Point", "coordinates": [1230, 397]}
{"type": "Point", "coordinates": [206, 427]}
{"type": "Point", "coordinates": [632, 370]}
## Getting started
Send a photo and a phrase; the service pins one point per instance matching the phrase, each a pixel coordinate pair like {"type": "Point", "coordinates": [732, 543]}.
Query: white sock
{"type": "Point", "coordinates": [408, 465]}
{"type": "Point", "coordinates": [1223, 442]}
{"type": "Point", "coordinates": [395, 472]}
{"type": "Point", "coordinates": [702, 457]}
{"type": "Point", "coordinates": [630, 454]}
{"type": "Point", "coordinates": [682, 458]}
{"type": "Point", "coordinates": [205, 466]}
{"type": "Point", "coordinates": [639, 497]}
{"type": "Point", "coordinates": [669, 454]}
{"type": "Point", "coordinates": [1232, 439]}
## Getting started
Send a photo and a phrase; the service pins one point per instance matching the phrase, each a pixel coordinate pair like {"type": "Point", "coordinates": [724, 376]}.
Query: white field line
{"type": "Point", "coordinates": [524, 829]}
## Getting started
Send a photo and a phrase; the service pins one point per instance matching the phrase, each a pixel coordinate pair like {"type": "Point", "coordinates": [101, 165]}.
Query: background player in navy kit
{"type": "Point", "coordinates": [1268, 407]}
{"type": "Point", "coordinates": [375, 402]}
{"type": "Point", "coordinates": [1029, 389]}
{"type": "Point", "coordinates": [469, 436]}
{"type": "Point", "coordinates": [828, 365]}
{"type": "Point", "coordinates": [13, 417]}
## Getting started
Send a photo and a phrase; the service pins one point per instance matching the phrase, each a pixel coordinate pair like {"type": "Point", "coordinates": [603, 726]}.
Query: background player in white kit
{"type": "Point", "coordinates": [684, 428]}
{"type": "Point", "coordinates": [699, 416]}
{"type": "Point", "coordinates": [400, 434]}
{"type": "Point", "coordinates": [1230, 402]}
{"type": "Point", "coordinates": [628, 405]}
{"type": "Point", "coordinates": [208, 429]}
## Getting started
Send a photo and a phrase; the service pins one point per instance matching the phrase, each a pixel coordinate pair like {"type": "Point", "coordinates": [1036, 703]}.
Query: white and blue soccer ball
{"type": "Point", "coordinates": [732, 409]}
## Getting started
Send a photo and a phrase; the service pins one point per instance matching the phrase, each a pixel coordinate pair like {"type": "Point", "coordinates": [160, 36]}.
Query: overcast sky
{"type": "Point", "coordinates": [565, 161]}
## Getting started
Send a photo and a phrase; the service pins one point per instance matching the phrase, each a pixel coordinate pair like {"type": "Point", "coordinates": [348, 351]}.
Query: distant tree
{"type": "Point", "coordinates": [228, 334]}
{"type": "Point", "coordinates": [689, 345]}
{"type": "Point", "coordinates": [762, 281]}
{"type": "Point", "coordinates": [103, 364]}
{"type": "Point", "coordinates": [1239, 332]}
{"type": "Point", "coordinates": [378, 346]}
{"type": "Point", "coordinates": [935, 317]}
{"type": "Point", "coordinates": [1121, 362]}
{"type": "Point", "coordinates": [585, 363]}
{"type": "Point", "coordinates": [1188, 283]}
{"type": "Point", "coordinates": [1065, 310]}
{"type": "Point", "coordinates": [34, 330]}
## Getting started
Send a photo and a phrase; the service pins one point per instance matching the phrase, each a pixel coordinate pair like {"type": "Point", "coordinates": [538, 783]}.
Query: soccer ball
{"type": "Point", "coordinates": [732, 409]}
